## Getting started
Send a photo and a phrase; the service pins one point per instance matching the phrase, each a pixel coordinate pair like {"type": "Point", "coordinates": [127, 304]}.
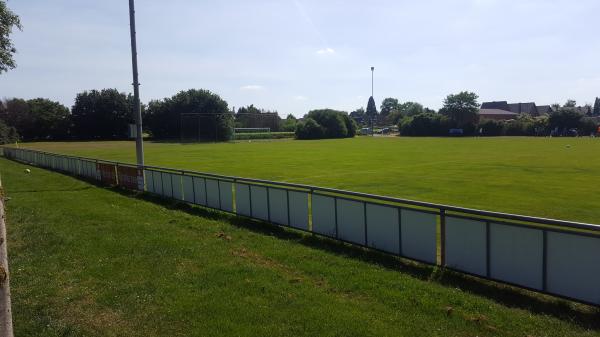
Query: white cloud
{"type": "Point", "coordinates": [325, 51]}
{"type": "Point", "coordinates": [300, 98]}
{"type": "Point", "coordinates": [252, 87]}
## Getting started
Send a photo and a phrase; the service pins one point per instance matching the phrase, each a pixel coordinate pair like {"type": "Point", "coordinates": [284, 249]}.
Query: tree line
{"type": "Point", "coordinates": [461, 111]}
{"type": "Point", "coordinates": [106, 114]}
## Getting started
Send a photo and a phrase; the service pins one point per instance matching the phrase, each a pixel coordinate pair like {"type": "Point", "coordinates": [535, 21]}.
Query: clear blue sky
{"type": "Point", "coordinates": [296, 55]}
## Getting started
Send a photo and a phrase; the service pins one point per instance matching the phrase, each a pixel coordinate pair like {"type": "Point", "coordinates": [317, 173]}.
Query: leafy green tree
{"type": "Point", "coordinates": [252, 117]}
{"type": "Point", "coordinates": [411, 108]}
{"type": "Point", "coordinates": [596, 110]}
{"type": "Point", "coordinates": [462, 109]}
{"type": "Point", "coordinates": [388, 105]}
{"type": "Point", "coordinates": [332, 122]}
{"type": "Point", "coordinates": [571, 103]}
{"type": "Point", "coordinates": [104, 114]}
{"type": "Point", "coordinates": [8, 21]}
{"type": "Point", "coordinates": [51, 119]}
{"type": "Point", "coordinates": [16, 114]}
{"type": "Point", "coordinates": [8, 134]}
{"type": "Point", "coordinates": [309, 129]}
{"type": "Point", "coordinates": [289, 123]}
{"type": "Point", "coordinates": [564, 119]}
{"type": "Point", "coordinates": [163, 117]}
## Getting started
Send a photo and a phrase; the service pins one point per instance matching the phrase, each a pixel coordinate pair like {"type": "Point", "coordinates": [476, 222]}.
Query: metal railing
{"type": "Point", "coordinates": [550, 256]}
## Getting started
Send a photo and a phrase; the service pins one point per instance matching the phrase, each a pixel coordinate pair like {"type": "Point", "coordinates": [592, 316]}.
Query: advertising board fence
{"type": "Point", "coordinates": [545, 255]}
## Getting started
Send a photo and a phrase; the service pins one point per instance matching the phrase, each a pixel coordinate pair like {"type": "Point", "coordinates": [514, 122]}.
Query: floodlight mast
{"type": "Point", "coordinates": [137, 112]}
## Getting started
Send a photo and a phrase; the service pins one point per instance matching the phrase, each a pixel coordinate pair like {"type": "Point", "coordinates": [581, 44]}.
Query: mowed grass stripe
{"type": "Point", "coordinates": [544, 177]}
{"type": "Point", "coordinates": [98, 262]}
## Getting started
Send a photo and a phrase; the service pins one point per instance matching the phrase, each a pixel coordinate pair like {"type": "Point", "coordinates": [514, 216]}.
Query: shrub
{"type": "Point", "coordinates": [309, 129]}
{"type": "Point", "coordinates": [490, 127]}
{"type": "Point", "coordinates": [587, 126]}
{"type": "Point", "coordinates": [425, 124]}
{"type": "Point", "coordinates": [332, 122]}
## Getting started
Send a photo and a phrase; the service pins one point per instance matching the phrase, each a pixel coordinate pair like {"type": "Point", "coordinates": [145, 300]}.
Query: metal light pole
{"type": "Point", "coordinates": [137, 112]}
{"type": "Point", "coordinates": [372, 75]}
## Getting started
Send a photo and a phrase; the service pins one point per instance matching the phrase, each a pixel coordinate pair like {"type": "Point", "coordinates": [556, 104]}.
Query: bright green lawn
{"type": "Point", "coordinates": [89, 261]}
{"type": "Point", "coordinates": [547, 177]}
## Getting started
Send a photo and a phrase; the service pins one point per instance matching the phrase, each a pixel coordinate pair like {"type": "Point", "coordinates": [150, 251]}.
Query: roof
{"type": "Point", "coordinates": [544, 109]}
{"type": "Point", "coordinates": [527, 108]}
{"type": "Point", "coordinates": [500, 105]}
{"type": "Point", "coordinates": [496, 112]}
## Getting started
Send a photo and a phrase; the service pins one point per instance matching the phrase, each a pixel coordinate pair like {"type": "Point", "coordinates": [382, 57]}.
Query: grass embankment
{"type": "Point", "coordinates": [546, 177]}
{"type": "Point", "coordinates": [90, 261]}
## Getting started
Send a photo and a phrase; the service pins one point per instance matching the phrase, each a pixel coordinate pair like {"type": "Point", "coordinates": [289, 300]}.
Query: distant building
{"type": "Point", "coordinates": [524, 108]}
{"type": "Point", "coordinates": [502, 110]}
{"type": "Point", "coordinates": [544, 109]}
{"type": "Point", "coordinates": [497, 114]}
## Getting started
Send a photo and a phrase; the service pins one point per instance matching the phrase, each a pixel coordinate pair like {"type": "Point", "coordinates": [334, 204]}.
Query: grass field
{"type": "Point", "coordinates": [90, 261]}
{"type": "Point", "coordinates": [547, 177]}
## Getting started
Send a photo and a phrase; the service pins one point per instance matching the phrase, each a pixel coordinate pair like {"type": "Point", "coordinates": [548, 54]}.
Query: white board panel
{"type": "Point", "coordinates": [149, 176]}
{"type": "Point", "coordinates": [259, 203]}
{"type": "Point", "coordinates": [200, 190]}
{"type": "Point", "coordinates": [516, 255]}
{"type": "Point", "coordinates": [383, 228]}
{"type": "Point", "coordinates": [212, 193]}
{"type": "Point", "coordinates": [157, 182]}
{"type": "Point", "coordinates": [278, 205]}
{"type": "Point", "coordinates": [167, 185]}
{"type": "Point", "coordinates": [187, 184]}
{"type": "Point", "coordinates": [323, 215]}
{"type": "Point", "coordinates": [418, 232]}
{"type": "Point", "coordinates": [226, 196]}
{"type": "Point", "coordinates": [351, 221]}
{"type": "Point", "coordinates": [177, 190]}
{"type": "Point", "coordinates": [466, 245]}
{"type": "Point", "coordinates": [242, 199]}
{"type": "Point", "coordinates": [573, 269]}
{"type": "Point", "coordinates": [298, 209]}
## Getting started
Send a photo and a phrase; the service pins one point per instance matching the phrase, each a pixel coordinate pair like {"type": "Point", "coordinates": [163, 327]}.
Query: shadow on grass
{"type": "Point", "coordinates": [588, 317]}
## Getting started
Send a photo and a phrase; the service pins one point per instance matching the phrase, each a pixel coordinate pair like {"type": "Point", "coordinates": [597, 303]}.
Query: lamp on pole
{"type": "Point", "coordinates": [372, 75]}
{"type": "Point", "coordinates": [137, 112]}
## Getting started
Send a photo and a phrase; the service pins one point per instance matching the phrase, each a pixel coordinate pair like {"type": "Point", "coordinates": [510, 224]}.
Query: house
{"type": "Point", "coordinates": [500, 105]}
{"type": "Point", "coordinates": [544, 110]}
{"type": "Point", "coordinates": [497, 114]}
{"type": "Point", "coordinates": [524, 108]}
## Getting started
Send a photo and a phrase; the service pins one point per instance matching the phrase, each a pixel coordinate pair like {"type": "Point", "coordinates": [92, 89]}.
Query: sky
{"type": "Point", "coordinates": [296, 55]}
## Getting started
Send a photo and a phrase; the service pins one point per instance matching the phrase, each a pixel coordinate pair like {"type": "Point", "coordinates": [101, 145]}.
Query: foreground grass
{"type": "Point", "coordinates": [547, 177]}
{"type": "Point", "coordinates": [89, 261]}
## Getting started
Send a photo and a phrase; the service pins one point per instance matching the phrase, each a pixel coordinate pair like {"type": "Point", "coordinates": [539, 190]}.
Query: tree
{"type": "Point", "coordinates": [596, 110]}
{"type": "Point", "coordinates": [104, 114]}
{"type": "Point", "coordinates": [332, 122]}
{"type": "Point", "coordinates": [411, 108]}
{"type": "Point", "coordinates": [8, 134]}
{"type": "Point", "coordinates": [289, 123]}
{"type": "Point", "coordinates": [212, 121]}
{"type": "Point", "coordinates": [358, 115]}
{"type": "Point", "coordinates": [571, 103]}
{"type": "Point", "coordinates": [51, 119]}
{"type": "Point", "coordinates": [388, 105]}
{"type": "Point", "coordinates": [462, 109]}
{"type": "Point", "coordinates": [309, 129]}
{"type": "Point", "coordinates": [326, 123]}
{"type": "Point", "coordinates": [564, 119]}
{"type": "Point", "coordinates": [371, 112]}
{"type": "Point", "coordinates": [252, 117]}
{"type": "Point", "coordinates": [8, 21]}
{"type": "Point", "coordinates": [16, 114]}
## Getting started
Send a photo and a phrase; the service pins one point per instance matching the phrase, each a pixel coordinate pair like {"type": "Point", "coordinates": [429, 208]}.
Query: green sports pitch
{"type": "Point", "coordinates": [545, 177]}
